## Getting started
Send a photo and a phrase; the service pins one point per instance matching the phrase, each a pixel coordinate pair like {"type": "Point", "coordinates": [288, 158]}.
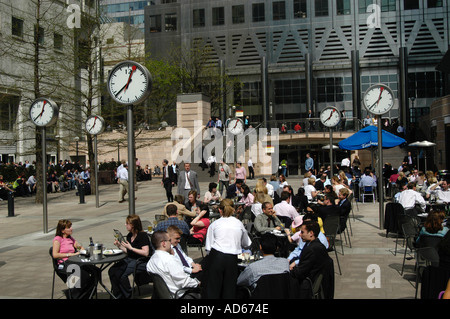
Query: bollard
{"type": "Point", "coordinates": [10, 204]}
{"type": "Point", "coordinates": [81, 192]}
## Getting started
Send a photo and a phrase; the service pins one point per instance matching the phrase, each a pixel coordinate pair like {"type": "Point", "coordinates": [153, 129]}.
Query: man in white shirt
{"type": "Point", "coordinates": [284, 209]}
{"type": "Point", "coordinates": [409, 198]}
{"type": "Point", "coordinates": [269, 187]}
{"type": "Point", "coordinates": [345, 163]}
{"type": "Point", "coordinates": [189, 266]}
{"type": "Point", "coordinates": [442, 194]}
{"type": "Point", "coordinates": [167, 266]}
{"type": "Point", "coordinates": [123, 181]}
{"type": "Point", "coordinates": [251, 171]}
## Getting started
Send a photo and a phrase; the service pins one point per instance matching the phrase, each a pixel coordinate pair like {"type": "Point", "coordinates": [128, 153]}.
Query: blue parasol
{"type": "Point", "coordinates": [368, 137]}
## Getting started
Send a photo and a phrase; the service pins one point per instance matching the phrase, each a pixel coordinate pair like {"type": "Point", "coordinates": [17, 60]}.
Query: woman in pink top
{"type": "Point", "coordinates": [65, 246]}
{"type": "Point", "coordinates": [199, 225]}
{"type": "Point", "coordinates": [240, 173]}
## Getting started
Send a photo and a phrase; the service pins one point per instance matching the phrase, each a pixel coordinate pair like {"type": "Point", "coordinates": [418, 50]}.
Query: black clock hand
{"type": "Point", "coordinates": [42, 111]}
{"type": "Point", "coordinates": [123, 88]}
{"type": "Point", "coordinates": [370, 107]}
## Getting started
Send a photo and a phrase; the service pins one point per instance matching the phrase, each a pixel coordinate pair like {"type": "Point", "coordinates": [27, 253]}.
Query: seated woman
{"type": "Point", "coordinates": [200, 226]}
{"type": "Point", "coordinates": [192, 205]}
{"type": "Point", "coordinates": [147, 173]}
{"type": "Point", "coordinates": [247, 199]}
{"type": "Point", "coordinates": [310, 190]}
{"type": "Point", "coordinates": [433, 226]}
{"type": "Point", "coordinates": [137, 245]}
{"type": "Point", "coordinates": [212, 194]}
{"type": "Point", "coordinates": [65, 246]}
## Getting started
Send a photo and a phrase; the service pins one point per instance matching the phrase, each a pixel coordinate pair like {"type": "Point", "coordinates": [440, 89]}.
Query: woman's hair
{"type": "Point", "coordinates": [273, 178]}
{"type": "Point", "coordinates": [282, 178]}
{"type": "Point", "coordinates": [311, 181]}
{"type": "Point", "coordinates": [193, 193]}
{"type": "Point", "coordinates": [179, 199]}
{"type": "Point", "coordinates": [62, 224]}
{"type": "Point", "coordinates": [212, 186]}
{"type": "Point", "coordinates": [227, 207]}
{"type": "Point", "coordinates": [260, 186]}
{"type": "Point", "coordinates": [205, 207]}
{"type": "Point", "coordinates": [246, 190]}
{"type": "Point", "coordinates": [135, 221]}
{"type": "Point", "coordinates": [260, 197]}
{"type": "Point", "coordinates": [433, 223]}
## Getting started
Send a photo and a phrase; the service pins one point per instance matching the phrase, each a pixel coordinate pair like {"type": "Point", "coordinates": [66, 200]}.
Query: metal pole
{"type": "Point", "coordinates": [131, 160]}
{"type": "Point", "coordinates": [331, 154]}
{"type": "Point", "coordinates": [44, 179]}
{"type": "Point", "coordinates": [96, 172]}
{"type": "Point", "coordinates": [380, 173]}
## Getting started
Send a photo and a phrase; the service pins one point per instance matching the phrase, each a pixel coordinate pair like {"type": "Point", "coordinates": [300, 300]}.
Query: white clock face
{"type": "Point", "coordinates": [43, 112]}
{"type": "Point", "coordinates": [129, 83]}
{"type": "Point", "coordinates": [330, 117]}
{"type": "Point", "coordinates": [236, 126]}
{"type": "Point", "coordinates": [378, 99]}
{"type": "Point", "coordinates": [95, 125]}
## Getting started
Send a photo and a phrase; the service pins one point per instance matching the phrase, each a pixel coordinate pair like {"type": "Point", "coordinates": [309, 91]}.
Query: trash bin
{"type": "Point", "coordinates": [10, 204]}
{"type": "Point", "coordinates": [81, 193]}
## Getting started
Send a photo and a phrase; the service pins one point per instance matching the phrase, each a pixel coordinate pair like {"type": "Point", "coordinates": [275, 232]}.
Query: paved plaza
{"type": "Point", "coordinates": [370, 270]}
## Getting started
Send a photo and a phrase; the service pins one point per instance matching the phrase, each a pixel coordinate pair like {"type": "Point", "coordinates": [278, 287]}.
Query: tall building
{"type": "Point", "coordinates": [313, 53]}
{"type": "Point", "coordinates": [127, 11]}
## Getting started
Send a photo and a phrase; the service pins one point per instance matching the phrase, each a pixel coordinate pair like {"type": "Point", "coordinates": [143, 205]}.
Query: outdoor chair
{"type": "Point", "coordinates": [367, 191]}
{"type": "Point", "coordinates": [410, 233]}
{"type": "Point", "coordinates": [331, 226]}
{"type": "Point", "coordinates": [426, 256]}
{"type": "Point", "coordinates": [160, 218]}
{"type": "Point", "coordinates": [55, 272]}
{"type": "Point", "coordinates": [200, 246]}
{"type": "Point", "coordinates": [140, 277]}
{"type": "Point", "coordinates": [274, 286]}
{"type": "Point", "coordinates": [161, 291]}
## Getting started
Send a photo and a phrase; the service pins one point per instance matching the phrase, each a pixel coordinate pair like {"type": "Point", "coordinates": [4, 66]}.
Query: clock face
{"type": "Point", "coordinates": [330, 117]}
{"type": "Point", "coordinates": [236, 126]}
{"type": "Point", "coordinates": [95, 124]}
{"type": "Point", "coordinates": [378, 99]}
{"type": "Point", "coordinates": [43, 112]}
{"type": "Point", "coordinates": [129, 83]}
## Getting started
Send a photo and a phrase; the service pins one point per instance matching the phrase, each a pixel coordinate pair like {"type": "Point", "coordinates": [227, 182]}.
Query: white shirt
{"type": "Point", "coordinates": [308, 190]}
{"type": "Point", "coordinates": [270, 189]}
{"type": "Point", "coordinates": [189, 260]}
{"type": "Point", "coordinates": [441, 195]}
{"type": "Point", "coordinates": [171, 271]}
{"type": "Point", "coordinates": [409, 198]}
{"type": "Point", "coordinates": [345, 162]}
{"type": "Point", "coordinates": [187, 185]}
{"type": "Point", "coordinates": [118, 170]}
{"type": "Point", "coordinates": [257, 209]}
{"type": "Point", "coordinates": [123, 174]}
{"type": "Point", "coordinates": [227, 235]}
{"type": "Point", "coordinates": [285, 209]}
{"type": "Point", "coordinates": [249, 163]}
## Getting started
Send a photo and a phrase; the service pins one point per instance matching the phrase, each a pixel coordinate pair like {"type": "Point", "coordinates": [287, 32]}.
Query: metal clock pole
{"type": "Point", "coordinates": [131, 159]}
{"type": "Point", "coordinates": [331, 153]}
{"type": "Point", "coordinates": [96, 173]}
{"type": "Point", "coordinates": [44, 178]}
{"type": "Point", "coordinates": [380, 173]}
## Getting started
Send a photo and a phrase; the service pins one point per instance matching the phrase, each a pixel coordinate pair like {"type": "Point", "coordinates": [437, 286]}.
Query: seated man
{"type": "Point", "coordinates": [172, 220]}
{"type": "Point", "coordinates": [328, 208]}
{"type": "Point", "coordinates": [267, 221]}
{"type": "Point", "coordinates": [345, 206]}
{"type": "Point", "coordinates": [368, 179]}
{"type": "Point", "coordinates": [167, 266]}
{"type": "Point", "coordinates": [182, 211]}
{"type": "Point", "coordinates": [189, 266]}
{"type": "Point", "coordinates": [269, 265]}
{"type": "Point", "coordinates": [443, 194]}
{"type": "Point", "coordinates": [234, 189]}
{"type": "Point", "coordinates": [294, 256]}
{"type": "Point", "coordinates": [284, 210]}
{"type": "Point", "coordinates": [314, 255]}
{"type": "Point", "coordinates": [410, 197]}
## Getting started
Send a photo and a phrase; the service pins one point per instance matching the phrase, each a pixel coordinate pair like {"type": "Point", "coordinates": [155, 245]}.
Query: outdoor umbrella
{"type": "Point", "coordinates": [368, 137]}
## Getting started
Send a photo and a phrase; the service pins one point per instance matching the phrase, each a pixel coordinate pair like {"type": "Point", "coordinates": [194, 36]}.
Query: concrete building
{"type": "Point", "coordinates": [127, 11]}
{"type": "Point", "coordinates": [294, 56]}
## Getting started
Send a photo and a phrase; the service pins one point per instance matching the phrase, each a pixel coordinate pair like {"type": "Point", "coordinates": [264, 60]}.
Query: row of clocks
{"type": "Point", "coordinates": [44, 112]}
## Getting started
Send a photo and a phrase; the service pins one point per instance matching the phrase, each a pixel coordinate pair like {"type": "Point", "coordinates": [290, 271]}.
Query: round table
{"type": "Point", "coordinates": [101, 264]}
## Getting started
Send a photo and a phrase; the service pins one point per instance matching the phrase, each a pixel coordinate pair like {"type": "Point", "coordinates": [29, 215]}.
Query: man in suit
{"type": "Point", "coordinates": [187, 181]}
{"type": "Point", "coordinates": [234, 189]}
{"type": "Point", "coordinates": [168, 179]}
{"type": "Point", "coordinates": [409, 160]}
{"type": "Point", "coordinates": [344, 206]}
{"type": "Point", "coordinates": [314, 255]}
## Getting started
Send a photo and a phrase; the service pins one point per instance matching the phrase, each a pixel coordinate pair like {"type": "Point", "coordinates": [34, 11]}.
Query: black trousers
{"type": "Point", "coordinates": [221, 276]}
{"type": "Point", "coordinates": [168, 187]}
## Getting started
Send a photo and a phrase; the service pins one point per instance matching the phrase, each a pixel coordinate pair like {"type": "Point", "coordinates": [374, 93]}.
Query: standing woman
{"type": "Point", "coordinates": [136, 246]}
{"type": "Point", "coordinates": [240, 173]}
{"type": "Point", "coordinates": [224, 241]}
{"type": "Point", "coordinates": [65, 246]}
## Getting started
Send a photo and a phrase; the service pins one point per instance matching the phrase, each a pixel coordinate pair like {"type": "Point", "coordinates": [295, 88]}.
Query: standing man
{"type": "Point", "coordinates": [168, 179]}
{"type": "Point", "coordinates": [309, 163]}
{"type": "Point", "coordinates": [175, 172]}
{"type": "Point", "coordinates": [219, 124]}
{"type": "Point", "coordinates": [251, 171]}
{"type": "Point", "coordinates": [122, 174]}
{"type": "Point", "coordinates": [187, 181]}
{"type": "Point", "coordinates": [310, 120]}
{"type": "Point", "coordinates": [224, 177]}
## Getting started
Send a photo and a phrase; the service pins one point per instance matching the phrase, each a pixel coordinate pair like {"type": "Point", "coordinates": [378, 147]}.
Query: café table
{"type": "Point", "coordinates": [100, 264]}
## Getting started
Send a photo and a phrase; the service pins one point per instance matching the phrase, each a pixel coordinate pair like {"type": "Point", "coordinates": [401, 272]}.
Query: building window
{"type": "Point", "coordinates": [434, 3]}
{"type": "Point", "coordinates": [290, 91]}
{"type": "Point", "coordinates": [40, 35]}
{"type": "Point", "coordinates": [249, 93]}
{"type": "Point", "coordinates": [343, 7]}
{"type": "Point", "coordinates": [330, 90]}
{"type": "Point", "coordinates": [258, 13]}
{"type": "Point", "coordinates": [218, 16]}
{"type": "Point", "coordinates": [321, 7]}
{"type": "Point", "coordinates": [388, 5]}
{"type": "Point", "coordinates": [425, 85]}
{"type": "Point", "coordinates": [410, 4]}
{"type": "Point", "coordinates": [279, 10]}
{"type": "Point", "coordinates": [17, 27]}
{"type": "Point", "coordinates": [168, 1]}
{"type": "Point", "coordinates": [170, 20]}
{"type": "Point", "coordinates": [9, 107]}
{"type": "Point", "coordinates": [238, 14]}
{"type": "Point", "coordinates": [300, 9]}
{"type": "Point", "coordinates": [363, 5]}
{"type": "Point", "coordinates": [198, 18]}
{"type": "Point", "coordinates": [155, 23]}
{"type": "Point", "coordinates": [57, 41]}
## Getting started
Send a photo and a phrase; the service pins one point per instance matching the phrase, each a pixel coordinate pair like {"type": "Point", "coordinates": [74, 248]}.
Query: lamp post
{"type": "Point", "coordinates": [57, 137]}
{"type": "Point", "coordinates": [76, 141]}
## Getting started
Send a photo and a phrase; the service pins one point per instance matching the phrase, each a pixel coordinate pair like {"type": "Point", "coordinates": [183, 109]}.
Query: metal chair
{"type": "Point", "coordinates": [426, 256]}
{"type": "Point", "coordinates": [140, 277]}
{"type": "Point", "coordinates": [368, 191]}
{"type": "Point", "coordinates": [410, 233]}
{"type": "Point", "coordinates": [55, 272]}
{"type": "Point", "coordinates": [161, 291]}
{"type": "Point", "coordinates": [159, 218]}
{"type": "Point", "coordinates": [331, 227]}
